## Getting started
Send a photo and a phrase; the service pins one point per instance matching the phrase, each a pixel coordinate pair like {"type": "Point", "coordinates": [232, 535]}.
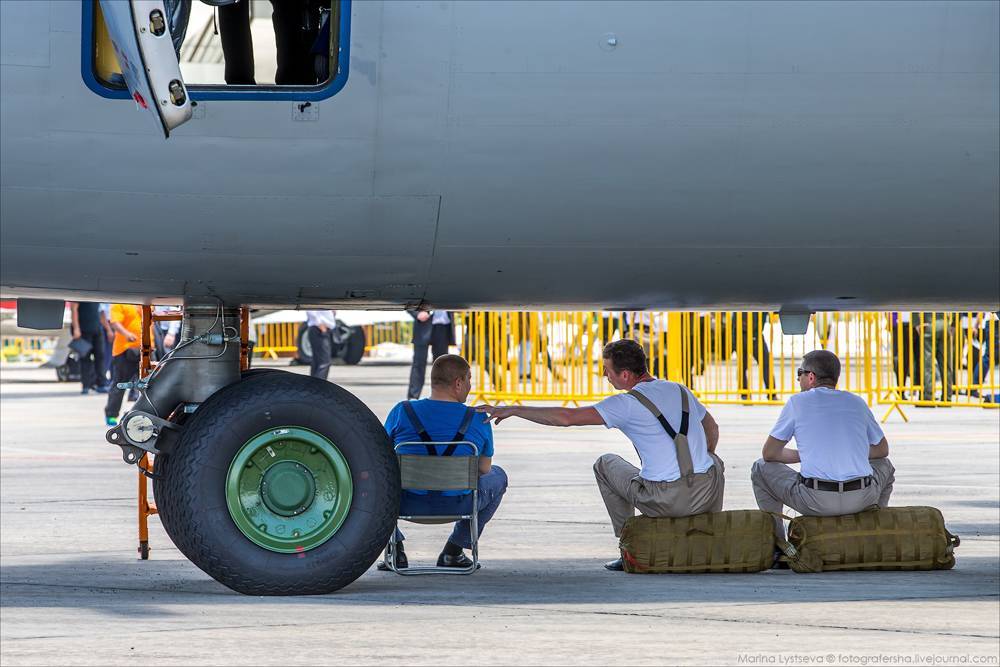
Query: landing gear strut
{"type": "Point", "coordinates": [273, 483]}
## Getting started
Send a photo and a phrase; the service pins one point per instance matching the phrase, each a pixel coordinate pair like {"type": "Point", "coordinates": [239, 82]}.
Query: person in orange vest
{"type": "Point", "coordinates": [126, 322]}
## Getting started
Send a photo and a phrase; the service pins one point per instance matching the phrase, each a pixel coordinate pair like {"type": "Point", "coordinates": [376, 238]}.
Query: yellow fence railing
{"type": "Point", "coordinates": [278, 339]}
{"type": "Point", "coordinates": [927, 359]}
{"type": "Point", "coordinates": [26, 348]}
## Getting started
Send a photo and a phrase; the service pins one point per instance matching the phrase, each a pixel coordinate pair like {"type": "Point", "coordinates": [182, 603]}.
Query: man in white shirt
{"type": "Point", "coordinates": [672, 432]}
{"type": "Point", "coordinates": [321, 325]}
{"type": "Point", "coordinates": [840, 445]}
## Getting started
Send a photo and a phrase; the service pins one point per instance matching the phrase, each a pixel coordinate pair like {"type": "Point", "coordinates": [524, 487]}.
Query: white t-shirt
{"type": "Point", "coordinates": [833, 431]}
{"type": "Point", "coordinates": [655, 447]}
{"type": "Point", "coordinates": [327, 318]}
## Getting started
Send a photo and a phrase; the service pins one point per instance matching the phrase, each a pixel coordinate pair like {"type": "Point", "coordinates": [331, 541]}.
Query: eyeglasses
{"type": "Point", "coordinates": [802, 371]}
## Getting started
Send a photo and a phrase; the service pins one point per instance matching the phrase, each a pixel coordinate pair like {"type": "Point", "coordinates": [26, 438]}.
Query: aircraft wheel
{"type": "Point", "coordinates": [162, 463]}
{"type": "Point", "coordinates": [355, 346]}
{"type": "Point", "coordinates": [304, 349]}
{"type": "Point", "coordinates": [62, 373]}
{"type": "Point", "coordinates": [281, 485]}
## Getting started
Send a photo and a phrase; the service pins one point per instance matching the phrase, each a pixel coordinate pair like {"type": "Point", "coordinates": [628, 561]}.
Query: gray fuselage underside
{"type": "Point", "coordinates": [484, 154]}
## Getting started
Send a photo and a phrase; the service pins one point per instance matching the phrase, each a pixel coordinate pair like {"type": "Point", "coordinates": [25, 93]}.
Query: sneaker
{"type": "Point", "coordinates": [102, 389]}
{"type": "Point", "coordinates": [111, 421]}
{"type": "Point", "coordinates": [85, 391]}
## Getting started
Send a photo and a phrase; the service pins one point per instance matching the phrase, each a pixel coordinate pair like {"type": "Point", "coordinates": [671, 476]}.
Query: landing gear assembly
{"type": "Point", "coordinates": [271, 482]}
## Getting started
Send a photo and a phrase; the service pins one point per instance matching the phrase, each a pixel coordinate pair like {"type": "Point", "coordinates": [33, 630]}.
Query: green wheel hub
{"type": "Point", "coordinates": [289, 489]}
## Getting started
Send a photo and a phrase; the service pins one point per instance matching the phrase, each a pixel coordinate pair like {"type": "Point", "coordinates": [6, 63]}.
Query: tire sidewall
{"type": "Point", "coordinates": [303, 348]}
{"type": "Point", "coordinates": [203, 528]}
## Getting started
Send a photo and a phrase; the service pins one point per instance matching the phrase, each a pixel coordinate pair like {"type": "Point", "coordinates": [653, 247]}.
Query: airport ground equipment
{"type": "Point", "coordinates": [887, 538]}
{"type": "Point", "coordinates": [454, 471]}
{"type": "Point", "coordinates": [273, 483]}
{"type": "Point", "coordinates": [729, 541]}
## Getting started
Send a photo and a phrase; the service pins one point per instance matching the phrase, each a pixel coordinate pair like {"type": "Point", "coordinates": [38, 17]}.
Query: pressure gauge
{"type": "Point", "coordinates": [140, 428]}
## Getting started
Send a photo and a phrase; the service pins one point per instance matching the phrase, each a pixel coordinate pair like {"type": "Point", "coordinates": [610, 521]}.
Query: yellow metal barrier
{"type": "Point", "coordinates": [27, 348]}
{"type": "Point", "coordinates": [276, 338]}
{"type": "Point", "coordinates": [381, 333]}
{"type": "Point", "coordinates": [281, 338]}
{"type": "Point", "coordinates": [939, 359]}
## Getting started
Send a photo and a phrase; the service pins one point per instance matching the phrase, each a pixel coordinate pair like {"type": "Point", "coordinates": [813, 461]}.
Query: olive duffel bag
{"type": "Point", "coordinates": [888, 538]}
{"type": "Point", "coordinates": [731, 541]}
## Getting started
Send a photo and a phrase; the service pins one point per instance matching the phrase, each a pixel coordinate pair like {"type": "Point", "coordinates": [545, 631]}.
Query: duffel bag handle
{"type": "Point", "coordinates": [953, 541]}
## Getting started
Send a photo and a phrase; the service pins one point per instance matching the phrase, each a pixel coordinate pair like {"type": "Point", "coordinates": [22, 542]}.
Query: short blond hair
{"type": "Point", "coordinates": [447, 368]}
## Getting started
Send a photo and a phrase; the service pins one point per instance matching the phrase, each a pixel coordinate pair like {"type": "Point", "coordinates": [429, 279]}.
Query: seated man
{"type": "Point", "coordinates": [680, 476]}
{"type": "Point", "coordinates": [444, 417]}
{"type": "Point", "coordinates": [840, 445]}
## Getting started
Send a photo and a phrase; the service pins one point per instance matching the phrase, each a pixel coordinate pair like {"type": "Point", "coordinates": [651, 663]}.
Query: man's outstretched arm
{"type": "Point", "coordinates": [587, 416]}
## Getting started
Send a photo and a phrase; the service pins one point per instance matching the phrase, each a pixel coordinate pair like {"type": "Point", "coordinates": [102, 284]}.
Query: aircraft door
{"type": "Point", "coordinates": [140, 32]}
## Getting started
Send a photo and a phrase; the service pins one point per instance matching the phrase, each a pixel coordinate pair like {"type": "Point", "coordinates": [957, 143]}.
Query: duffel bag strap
{"type": "Point", "coordinates": [953, 541]}
{"type": "Point", "coordinates": [786, 547]}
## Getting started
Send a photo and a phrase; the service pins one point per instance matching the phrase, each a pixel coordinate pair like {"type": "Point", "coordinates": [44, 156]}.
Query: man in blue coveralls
{"type": "Point", "coordinates": [444, 417]}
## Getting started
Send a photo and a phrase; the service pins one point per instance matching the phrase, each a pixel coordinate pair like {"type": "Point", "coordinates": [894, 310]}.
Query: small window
{"type": "Point", "coordinates": [248, 49]}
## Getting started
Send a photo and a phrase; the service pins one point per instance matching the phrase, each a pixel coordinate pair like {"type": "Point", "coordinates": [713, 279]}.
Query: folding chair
{"type": "Point", "coordinates": [456, 471]}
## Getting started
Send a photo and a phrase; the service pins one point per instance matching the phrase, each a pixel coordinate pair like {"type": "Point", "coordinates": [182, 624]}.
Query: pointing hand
{"type": "Point", "coordinates": [497, 412]}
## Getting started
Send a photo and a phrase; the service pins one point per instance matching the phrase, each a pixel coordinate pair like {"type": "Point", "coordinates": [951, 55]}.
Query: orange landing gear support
{"type": "Point", "coordinates": [146, 366]}
{"type": "Point", "coordinates": [244, 338]}
{"type": "Point", "coordinates": [146, 509]}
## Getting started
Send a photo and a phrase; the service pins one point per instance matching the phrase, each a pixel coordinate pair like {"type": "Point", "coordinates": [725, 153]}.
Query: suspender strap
{"type": "Point", "coordinates": [418, 425]}
{"type": "Point", "coordinates": [460, 434]}
{"type": "Point", "coordinates": [680, 439]}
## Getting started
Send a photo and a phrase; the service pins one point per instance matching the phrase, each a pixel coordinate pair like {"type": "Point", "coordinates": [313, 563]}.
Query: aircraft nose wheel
{"type": "Point", "coordinates": [280, 484]}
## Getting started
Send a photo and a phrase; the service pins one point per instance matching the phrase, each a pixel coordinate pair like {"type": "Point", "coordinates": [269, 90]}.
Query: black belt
{"type": "Point", "coordinates": [825, 485]}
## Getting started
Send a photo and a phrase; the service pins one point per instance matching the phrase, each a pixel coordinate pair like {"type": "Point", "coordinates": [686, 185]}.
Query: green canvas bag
{"type": "Point", "coordinates": [888, 538]}
{"type": "Point", "coordinates": [731, 541]}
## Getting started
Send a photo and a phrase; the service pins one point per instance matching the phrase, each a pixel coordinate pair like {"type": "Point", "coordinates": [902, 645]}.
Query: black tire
{"type": "Point", "coordinates": [161, 492]}
{"type": "Point", "coordinates": [355, 346]}
{"type": "Point", "coordinates": [303, 354]}
{"type": "Point", "coordinates": [191, 493]}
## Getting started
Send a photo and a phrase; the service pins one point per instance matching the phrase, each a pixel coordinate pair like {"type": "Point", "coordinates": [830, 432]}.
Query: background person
{"type": "Point", "coordinates": [126, 322]}
{"type": "Point", "coordinates": [432, 329]}
{"type": "Point", "coordinates": [747, 332]}
{"type": "Point", "coordinates": [983, 373]}
{"type": "Point", "coordinates": [86, 318]}
{"type": "Point", "coordinates": [840, 445]}
{"type": "Point", "coordinates": [938, 354]}
{"type": "Point", "coordinates": [321, 324]}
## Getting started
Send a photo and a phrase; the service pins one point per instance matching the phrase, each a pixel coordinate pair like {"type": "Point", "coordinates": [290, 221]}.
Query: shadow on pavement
{"type": "Point", "coordinates": [156, 586]}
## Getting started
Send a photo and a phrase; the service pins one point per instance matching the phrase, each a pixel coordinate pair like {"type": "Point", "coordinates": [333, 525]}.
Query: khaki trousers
{"type": "Point", "coordinates": [624, 491]}
{"type": "Point", "coordinates": [777, 485]}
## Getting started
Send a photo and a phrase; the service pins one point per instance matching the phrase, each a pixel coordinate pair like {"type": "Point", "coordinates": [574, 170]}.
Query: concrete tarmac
{"type": "Point", "coordinates": [73, 592]}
